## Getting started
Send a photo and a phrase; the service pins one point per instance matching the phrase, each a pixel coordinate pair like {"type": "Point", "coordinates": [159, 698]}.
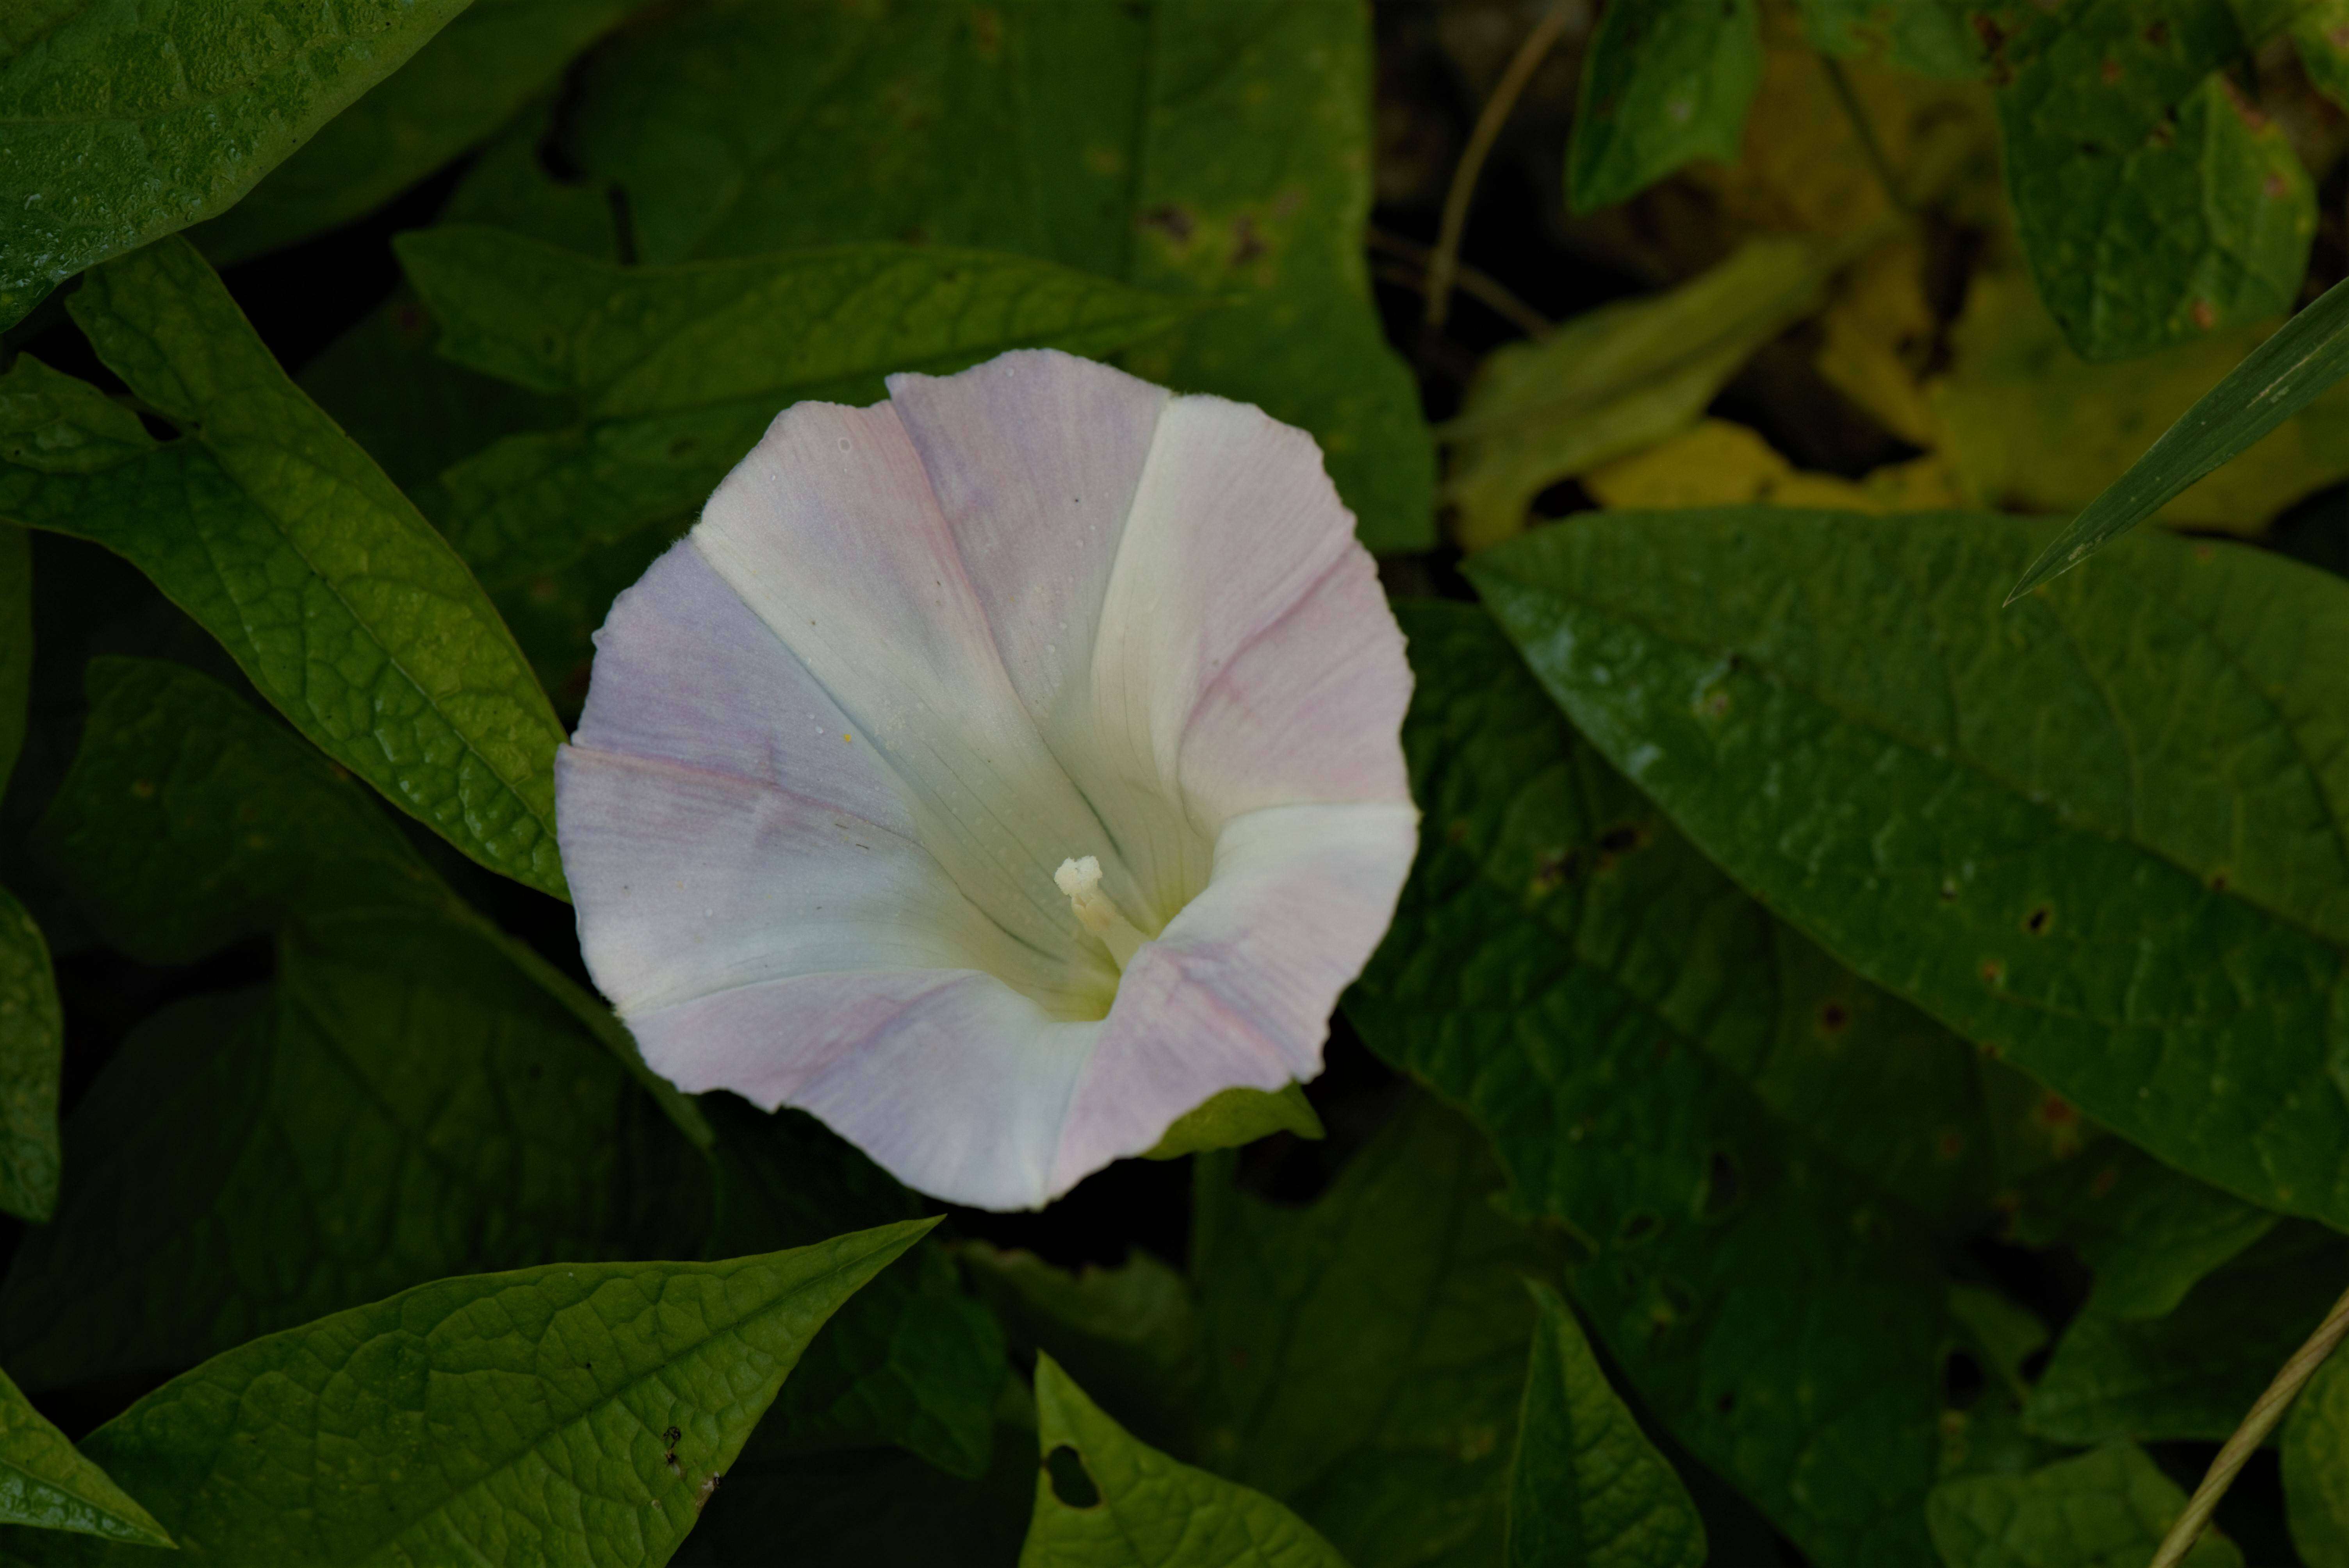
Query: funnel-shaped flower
{"type": "Point", "coordinates": [997, 772]}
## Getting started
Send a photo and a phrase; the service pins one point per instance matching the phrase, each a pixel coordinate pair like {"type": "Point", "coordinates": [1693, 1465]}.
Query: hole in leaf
{"type": "Point", "coordinates": [1070, 1484]}
{"type": "Point", "coordinates": [1832, 1018]}
{"type": "Point", "coordinates": [2036, 921]}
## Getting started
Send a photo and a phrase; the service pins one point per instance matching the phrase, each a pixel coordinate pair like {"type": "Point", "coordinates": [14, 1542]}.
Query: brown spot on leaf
{"type": "Point", "coordinates": [2274, 187]}
{"type": "Point", "coordinates": [1250, 244]}
{"type": "Point", "coordinates": [1172, 219]}
{"type": "Point", "coordinates": [986, 34]}
{"type": "Point", "coordinates": [1553, 868]}
{"type": "Point", "coordinates": [2104, 1181]}
{"type": "Point", "coordinates": [2204, 316]}
{"type": "Point", "coordinates": [1950, 1145]}
{"type": "Point", "coordinates": [1833, 1018]}
{"type": "Point", "coordinates": [2111, 71]}
{"type": "Point", "coordinates": [2036, 921]}
{"type": "Point", "coordinates": [2055, 1110]}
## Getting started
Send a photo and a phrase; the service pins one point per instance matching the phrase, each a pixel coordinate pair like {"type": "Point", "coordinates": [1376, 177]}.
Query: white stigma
{"type": "Point", "coordinates": [1096, 912]}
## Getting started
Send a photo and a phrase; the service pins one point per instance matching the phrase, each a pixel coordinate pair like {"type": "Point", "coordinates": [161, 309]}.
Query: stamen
{"type": "Point", "coordinates": [1096, 912]}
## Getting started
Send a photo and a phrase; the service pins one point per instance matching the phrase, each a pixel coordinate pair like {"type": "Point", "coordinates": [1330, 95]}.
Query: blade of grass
{"type": "Point", "coordinates": [2276, 380]}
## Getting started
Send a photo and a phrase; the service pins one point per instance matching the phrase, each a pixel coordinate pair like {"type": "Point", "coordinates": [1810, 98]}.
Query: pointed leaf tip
{"type": "Point", "coordinates": [2303, 357]}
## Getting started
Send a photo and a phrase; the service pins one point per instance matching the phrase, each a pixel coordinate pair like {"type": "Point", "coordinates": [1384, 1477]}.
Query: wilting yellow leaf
{"type": "Point", "coordinates": [1716, 463]}
{"type": "Point", "coordinates": [1808, 168]}
{"type": "Point", "coordinates": [2028, 426]}
{"type": "Point", "coordinates": [1615, 381]}
{"type": "Point", "coordinates": [1876, 335]}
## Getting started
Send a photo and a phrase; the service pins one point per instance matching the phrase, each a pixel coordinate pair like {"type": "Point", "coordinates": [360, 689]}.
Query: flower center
{"type": "Point", "coordinates": [1096, 910]}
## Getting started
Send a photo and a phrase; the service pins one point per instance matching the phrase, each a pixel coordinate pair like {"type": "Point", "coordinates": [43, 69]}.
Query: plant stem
{"type": "Point", "coordinates": [1865, 129]}
{"type": "Point", "coordinates": [1477, 285]}
{"type": "Point", "coordinates": [1444, 268]}
{"type": "Point", "coordinates": [2264, 1414]}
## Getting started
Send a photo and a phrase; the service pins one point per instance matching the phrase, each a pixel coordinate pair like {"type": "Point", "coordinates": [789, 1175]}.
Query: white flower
{"type": "Point", "coordinates": [997, 772]}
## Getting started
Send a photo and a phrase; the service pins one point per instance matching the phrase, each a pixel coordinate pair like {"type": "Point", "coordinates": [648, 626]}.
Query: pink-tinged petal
{"type": "Point", "coordinates": [1235, 526]}
{"type": "Point", "coordinates": [685, 672]}
{"type": "Point", "coordinates": [1238, 989]}
{"type": "Point", "coordinates": [1034, 457]}
{"type": "Point", "coordinates": [689, 882]}
{"type": "Point", "coordinates": [830, 534]}
{"type": "Point", "coordinates": [913, 660]}
{"type": "Point", "coordinates": [1310, 709]}
{"type": "Point", "coordinates": [952, 1082]}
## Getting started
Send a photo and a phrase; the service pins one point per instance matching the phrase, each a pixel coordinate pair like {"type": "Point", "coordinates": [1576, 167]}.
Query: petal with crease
{"type": "Point", "coordinates": [915, 656]}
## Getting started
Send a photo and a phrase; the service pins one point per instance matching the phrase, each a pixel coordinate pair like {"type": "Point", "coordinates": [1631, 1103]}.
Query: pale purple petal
{"type": "Point", "coordinates": [1238, 991]}
{"type": "Point", "coordinates": [912, 660]}
{"type": "Point", "coordinates": [1234, 526]}
{"type": "Point", "coordinates": [1034, 457]}
{"type": "Point", "coordinates": [951, 1082]}
{"type": "Point", "coordinates": [688, 881]}
{"type": "Point", "coordinates": [830, 532]}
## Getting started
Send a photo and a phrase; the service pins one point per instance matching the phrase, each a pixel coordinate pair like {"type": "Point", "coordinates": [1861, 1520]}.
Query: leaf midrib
{"type": "Point", "coordinates": [1958, 757]}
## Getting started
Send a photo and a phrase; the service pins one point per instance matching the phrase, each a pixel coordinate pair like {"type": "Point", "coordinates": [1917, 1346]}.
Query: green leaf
{"type": "Point", "coordinates": [46, 1484]}
{"type": "Point", "coordinates": [460, 87]}
{"type": "Point", "coordinates": [2316, 1468]}
{"type": "Point", "coordinates": [1615, 381]}
{"type": "Point", "coordinates": [2320, 34]}
{"type": "Point", "coordinates": [915, 1360]}
{"type": "Point", "coordinates": [1133, 1332]}
{"type": "Point", "coordinates": [2148, 1232]}
{"type": "Point", "coordinates": [15, 636]}
{"type": "Point", "coordinates": [1366, 1355]}
{"type": "Point", "coordinates": [678, 371]}
{"type": "Point", "coordinates": [418, 1095]}
{"type": "Point", "coordinates": [188, 820]}
{"type": "Point", "coordinates": [269, 527]}
{"type": "Point", "coordinates": [1931, 37]}
{"type": "Point", "coordinates": [401, 1106]}
{"type": "Point", "coordinates": [2153, 202]}
{"type": "Point", "coordinates": [1129, 1506]}
{"type": "Point", "coordinates": [1195, 146]}
{"type": "Point", "coordinates": [32, 1052]}
{"type": "Point", "coordinates": [2193, 1373]}
{"type": "Point", "coordinates": [1587, 1490]}
{"type": "Point", "coordinates": [572, 1414]}
{"type": "Point", "coordinates": [1237, 1115]}
{"type": "Point", "coordinates": [1751, 1142]}
{"type": "Point", "coordinates": [2103, 1510]}
{"type": "Point", "coordinates": [1664, 82]}
{"type": "Point", "coordinates": [2279, 377]}
{"type": "Point", "coordinates": [2012, 817]}
{"type": "Point", "coordinates": [124, 122]}
{"type": "Point", "coordinates": [32, 1024]}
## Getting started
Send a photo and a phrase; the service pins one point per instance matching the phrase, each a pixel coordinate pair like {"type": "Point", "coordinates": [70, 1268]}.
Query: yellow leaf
{"type": "Point", "coordinates": [1716, 463]}
{"type": "Point", "coordinates": [2028, 426]}
{"type": "Point", "coordinates": [1876, 335]}
{"type": "Point", "coordinates": [1615, 381]}
{"type": "Point", "coordinates": [1806, 168]}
